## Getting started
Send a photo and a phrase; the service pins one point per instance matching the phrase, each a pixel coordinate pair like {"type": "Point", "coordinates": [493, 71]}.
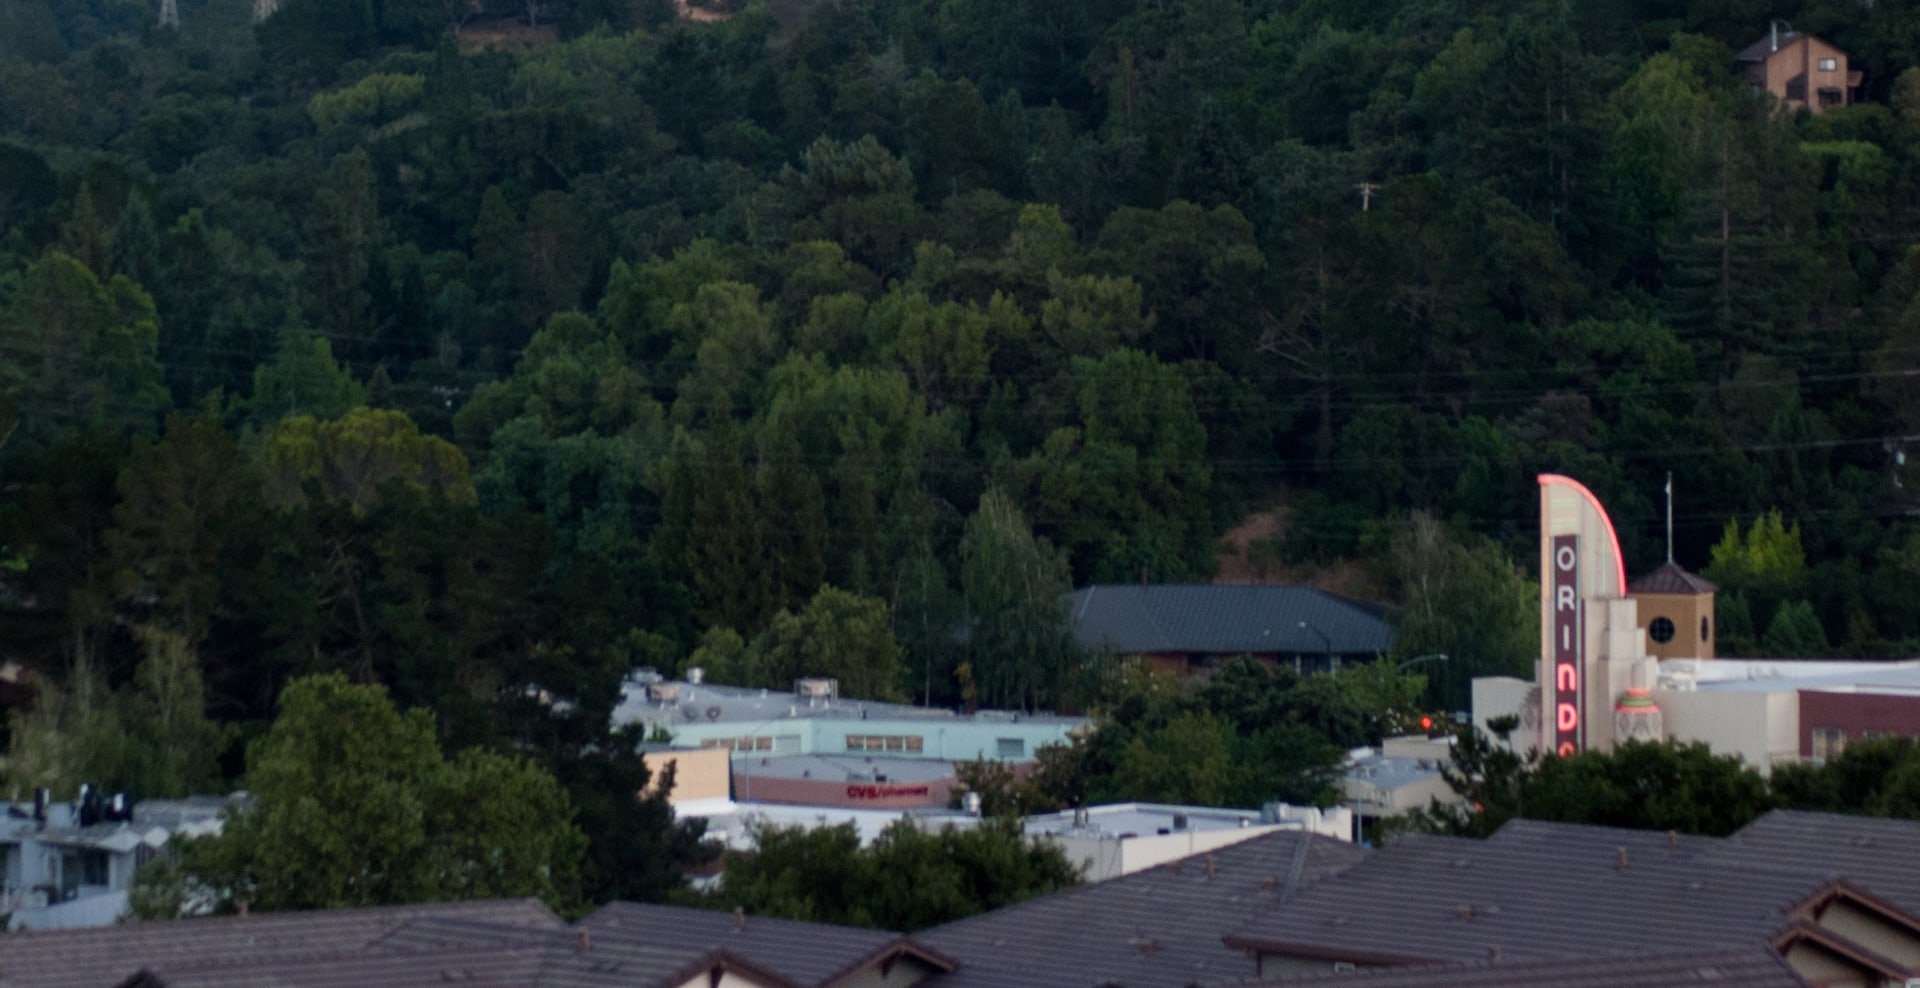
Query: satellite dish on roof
{"type": "Point", "coordinates": [713, 713]}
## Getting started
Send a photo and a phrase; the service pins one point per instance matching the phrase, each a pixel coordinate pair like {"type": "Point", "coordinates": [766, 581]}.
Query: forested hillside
{"type": "Point", "coordinates": [846, 336]}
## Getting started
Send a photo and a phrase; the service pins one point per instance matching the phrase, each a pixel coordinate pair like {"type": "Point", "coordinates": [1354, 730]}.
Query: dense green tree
{"type": "Point", "coordinates": [909, 879]}
{"type": "Point", "coordinates": [1018, 644]}
{"type": "Point", "coordinates": [838, 634]}
{"type": "Point", "coordinates": [353, 804]}
{"type": "Point", "coordinates": [79, 351]}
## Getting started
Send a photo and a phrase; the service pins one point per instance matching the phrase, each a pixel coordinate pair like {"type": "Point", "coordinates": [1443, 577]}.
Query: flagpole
{"type": "Point", "coordinates": [1669, 517]}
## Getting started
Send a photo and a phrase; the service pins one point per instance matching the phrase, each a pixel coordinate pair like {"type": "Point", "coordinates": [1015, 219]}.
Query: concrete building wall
{"type": "Point", "coordinates": [1761, 728]}
{"type": "Point", "coordinates": [1100, 858]}
{"type": "Point", "coordinates": [698, 773]}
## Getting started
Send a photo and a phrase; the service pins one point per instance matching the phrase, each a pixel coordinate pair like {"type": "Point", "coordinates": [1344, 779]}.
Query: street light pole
{"type": "Point", "coordinates": [1324, 640]}
{"type": "Point", "coordinates": [1416, 660]}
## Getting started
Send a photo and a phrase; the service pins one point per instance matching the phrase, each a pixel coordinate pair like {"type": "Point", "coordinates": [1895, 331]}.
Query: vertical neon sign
{"type": "Point", "coordinates": [1568, 644]}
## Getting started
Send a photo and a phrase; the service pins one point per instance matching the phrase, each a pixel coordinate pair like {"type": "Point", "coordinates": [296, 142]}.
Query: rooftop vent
{"type": "Point", "coordinates": [663, 693]}
{"type": "Point", "coordinates": [817, 687]}
{"type": "Point", "coordinates": [696, 675]}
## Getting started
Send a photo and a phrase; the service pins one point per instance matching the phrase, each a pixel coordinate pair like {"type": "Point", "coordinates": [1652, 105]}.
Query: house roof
{"type": "Point", "coordinates": [1226, 620]}
{"type": "Point", "coordinates": [1445, 899]}
{"type": "Point", "coordinates": [1880, 854]}
{"type": "Point", "coordinates": [1765, 48]}
{"type": "Point", "coordinates": [1749, 967]}
{"type": "Point", "coordinates": [1162, 926]}
{"type": "Point", "coordinates": [112, 954]}
{"type": "Point", "coordinates": [805, 953]}
{"type": "Point", "coordinates": [1550, 892]}
{"type": "Point", "coordinates": [1671, 579]}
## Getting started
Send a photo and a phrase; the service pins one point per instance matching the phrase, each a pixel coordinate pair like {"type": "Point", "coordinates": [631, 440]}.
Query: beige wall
{"type": "Point", "coordinates": [699, 773]}
{"type": "Point", "coordinates": [1761, 728]}
{"type": "Point", "coordinates": [1872, 932]}
{"type": "Point", "coordinates": [1100, 859]}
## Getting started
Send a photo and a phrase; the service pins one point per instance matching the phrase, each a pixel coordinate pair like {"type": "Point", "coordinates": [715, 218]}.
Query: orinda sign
{"type": "Point", "coordinates": [1568, 644]}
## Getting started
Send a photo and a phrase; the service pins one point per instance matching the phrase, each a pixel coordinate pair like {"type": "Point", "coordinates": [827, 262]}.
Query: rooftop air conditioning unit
{"type": "Point", "coordinates": [663, 692]}
{"type": "Point", "coordinates": [817, 687]}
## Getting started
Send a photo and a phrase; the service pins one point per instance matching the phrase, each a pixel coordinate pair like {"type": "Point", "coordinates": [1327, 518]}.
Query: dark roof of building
{"type": "Point", "coordinates": [1760, 50]}
{"type": "Point", "coordinates": [112, 954]}
{"type": "Point", "coordinates": [1446, 899]}
{"type": "Point", "coordinates": [1670, 578]}
{"type": "Point", "coordinates": [805, 953]}
{"type": "Point", "coordinates": [1162, 926]}
{"type": "Point", "coordinates": [1749, 967]}
{"type": "Point", "coordinates": [1226, 620]}
{"type": "Point", "coordinates": [509, 944]}
{"type": "Point", "coordinates": [1880, 854]}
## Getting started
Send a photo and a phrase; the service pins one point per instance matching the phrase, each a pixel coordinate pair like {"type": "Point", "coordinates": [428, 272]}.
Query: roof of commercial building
{"type": "Point", "coordinates": [1545, 892]}
{"type": "Point", "coordinates": [1793, 676]}
{"type": "Point", "coordinates": [1226, 620]}
{"type": "Point", "coordinates": [1390, 772]}
{"type": "Point", "coordinates": [1669, 578]}
{"type": "Point", "coordinates": [707, 703]}
{"type": "Point", "coordinates": [1133, 819]}
{"type": "Point", "coordinates": [1748, 967]}
{"type": "Point", "coordinates": [1162, 926]}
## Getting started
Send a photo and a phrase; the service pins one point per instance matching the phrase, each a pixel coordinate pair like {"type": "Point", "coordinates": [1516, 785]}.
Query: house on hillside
{"type": "Point", "coordinates": [1194, 628]}
{"type": "Point", "coordinates": [1800, 70]}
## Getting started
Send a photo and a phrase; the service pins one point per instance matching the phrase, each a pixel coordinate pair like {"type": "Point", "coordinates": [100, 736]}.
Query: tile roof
{"type": "Point", "coordinates": [1760, 50]}
{"type": "Point", "coordinates": [1226, 620]}
{"type": "Point", "coordinates": [1749, 967]}
{"type": "Point", "coordinates": [1881, 855]}
{"type": "Point", "coordinates": [807, 953]}
{"type": "Point", "coordinates": [1670, 578]}
{"type": "Point", "coordinates": [1162, 926]}
{"type": "Point", "coordinates": [1532, 898]}
{"type": "Point", "coordinates": [112, 954]}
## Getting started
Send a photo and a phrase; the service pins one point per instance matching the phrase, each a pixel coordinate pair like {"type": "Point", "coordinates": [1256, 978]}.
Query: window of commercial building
{"type": "Point", "coordinates": [1829, 65]}
{"type": "Point", "coordinates": [758, 743]}
{"type": "Point", "coordinates": [912, 743]}
{"type": "Point", "coordinates": [1706, 629]}
{"type": "Point", "coordinates": [1012, 748]}
{"type": "Point", "coordinates": [1828, 742]}
{"type": "Point", "coordinates": [1661, 630]}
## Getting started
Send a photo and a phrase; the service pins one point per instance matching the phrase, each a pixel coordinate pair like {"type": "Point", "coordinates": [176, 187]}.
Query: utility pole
{"type": "Point", "coordinates": [170, 14]}
{"type": "Point", "coordinates": [1367, 189]}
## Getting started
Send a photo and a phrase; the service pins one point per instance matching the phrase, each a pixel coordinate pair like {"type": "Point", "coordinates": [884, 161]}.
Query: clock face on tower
{"type": "Point", "coordinates": [1661, 630]}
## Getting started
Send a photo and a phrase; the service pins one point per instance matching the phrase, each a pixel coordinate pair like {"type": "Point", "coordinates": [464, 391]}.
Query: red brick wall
{"type": "Point", "coordinates": [1856, 714]}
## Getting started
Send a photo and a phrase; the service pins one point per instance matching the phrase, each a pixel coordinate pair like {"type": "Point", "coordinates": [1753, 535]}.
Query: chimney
{"type": "Point", "coordinates": [1773, 36]}
{"type": "Point", "coordinates": [1621, 864]}
{"type": "Point", "coordinates": [586, 940]}
{"type": "Point", "coordinates": [739, 919]}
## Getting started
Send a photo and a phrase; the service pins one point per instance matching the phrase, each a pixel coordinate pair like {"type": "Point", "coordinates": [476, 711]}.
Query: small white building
{"type": "Point", "coordinates": [1400, 776]}
{"type": "Point", "coordinates": [70, 865]}
{"type": "Point", "coordinates": [1122, 838]}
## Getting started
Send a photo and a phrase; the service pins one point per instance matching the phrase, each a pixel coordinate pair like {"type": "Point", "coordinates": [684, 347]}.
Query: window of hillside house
{"type": "Point", "coordinates": [1797, 88]}
{"type": "Point", "coordinates": [1829, 65]}
{"type": "Point", "coordinates": [1829, 97]}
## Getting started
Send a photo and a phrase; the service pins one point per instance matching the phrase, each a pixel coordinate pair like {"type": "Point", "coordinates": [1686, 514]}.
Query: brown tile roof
{"type": "Point", "coordinates": [1162, 926]}
{"type": "Point", "coordinates": [807, 953]}
{"type": "Point", "coordinates": [1670, 578]}
{"type": "Point", "coordinates": [1749, 967]}
{"type": "Point", "coordinates": [110, 955]}
{"type": "Point", "coordinates": [1880, 855]}
{"type": "Point", "coordinates": [1441, 899]}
